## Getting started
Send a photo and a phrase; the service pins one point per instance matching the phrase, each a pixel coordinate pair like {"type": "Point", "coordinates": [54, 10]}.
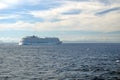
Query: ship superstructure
{"type": "Point", "coordinates": [34, 40]}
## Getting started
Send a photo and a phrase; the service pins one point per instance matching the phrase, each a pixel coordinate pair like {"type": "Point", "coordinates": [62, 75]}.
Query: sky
{"type": "Point", "coordinates": [69, 20]}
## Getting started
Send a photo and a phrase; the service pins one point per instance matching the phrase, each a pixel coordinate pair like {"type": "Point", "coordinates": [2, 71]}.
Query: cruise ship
{"type": "Point", "coordinates": [34, 40]}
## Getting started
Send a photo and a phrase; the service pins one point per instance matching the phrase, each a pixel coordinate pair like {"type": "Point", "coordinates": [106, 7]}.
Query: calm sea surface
{"type": "Point", "coordinates": [60, 62]}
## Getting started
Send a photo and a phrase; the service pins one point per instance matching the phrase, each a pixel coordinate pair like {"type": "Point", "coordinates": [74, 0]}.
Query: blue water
{"type": "Point", "coordinates": [89, 61]}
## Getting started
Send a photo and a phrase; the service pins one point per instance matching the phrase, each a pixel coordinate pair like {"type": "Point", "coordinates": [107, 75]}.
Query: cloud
{"type": "Point", "coordinates": [107, 11]}
{"type": "Point", "coordinates": [15, 26]}
{"type": "Point", "coordinates": [85, 20]}
{"type": "Point", "coordinates": [9, 39]}
{"type": "Point", "coordinates": [67, 7]}
{"type": "Point", "coordinates": [72, 12]}
{"type": "Point", "coordinates": [9, 16]}
{"type": "Point", "coordinates": [8, 3]}
{"type": "Point", "coordinates": [5, 4]}
{"type": "Point", "coordinates": [61, 18]}
{"type": "Point", "coordinates": [109, 1]}
{"type": "Point", "coordinates": [71, 15]}
{"type": "Point", "coordinates": [32, 2]}
{"type": "Point", "coordinates": [70, 7]}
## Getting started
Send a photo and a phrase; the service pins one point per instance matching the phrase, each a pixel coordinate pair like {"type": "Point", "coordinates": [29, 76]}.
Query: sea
{"type": "Point", "coordinates": [68, 61]}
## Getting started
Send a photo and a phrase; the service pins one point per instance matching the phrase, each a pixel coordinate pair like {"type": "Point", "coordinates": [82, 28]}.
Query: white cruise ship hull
{"type": "Point", "coordinates": [39, 43]}
{"type": "Point", "coordinates": [33, 40]}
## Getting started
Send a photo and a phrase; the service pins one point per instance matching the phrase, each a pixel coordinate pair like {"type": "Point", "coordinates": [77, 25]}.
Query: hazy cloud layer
{"type": "Point", "coordinates": [65, 15]}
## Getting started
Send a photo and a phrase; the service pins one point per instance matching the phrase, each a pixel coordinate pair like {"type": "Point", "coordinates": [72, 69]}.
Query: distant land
{"type": "Point", "coordinates": [89, 42]}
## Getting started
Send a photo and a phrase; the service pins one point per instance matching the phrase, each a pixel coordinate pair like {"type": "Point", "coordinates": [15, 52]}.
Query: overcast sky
{"type": "Point", "coordinates": [70, 20]}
